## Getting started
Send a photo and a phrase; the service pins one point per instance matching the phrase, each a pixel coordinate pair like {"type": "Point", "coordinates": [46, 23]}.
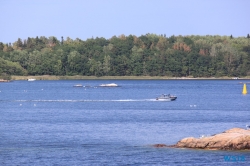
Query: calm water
{"type": "Point", "coordinates": [54, 123]}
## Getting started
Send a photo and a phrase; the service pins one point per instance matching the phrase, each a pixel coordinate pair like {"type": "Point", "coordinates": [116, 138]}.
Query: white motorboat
{"type": "Point", "coordinates": [31, 79]}
{"type": "Point", "coordinates": [109, 85]}
{"type": "Point", "coordinates": [165, 97]}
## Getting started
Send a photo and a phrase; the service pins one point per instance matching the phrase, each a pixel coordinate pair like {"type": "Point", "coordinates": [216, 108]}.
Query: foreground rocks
{"type": "Point", "coordinates": [233, 139]}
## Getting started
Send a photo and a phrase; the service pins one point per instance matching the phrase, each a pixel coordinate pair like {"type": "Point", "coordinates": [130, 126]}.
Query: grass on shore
{"type": "Point", "coordinates": [78, 77]}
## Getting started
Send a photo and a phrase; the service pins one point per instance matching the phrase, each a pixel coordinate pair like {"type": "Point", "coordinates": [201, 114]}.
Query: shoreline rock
{"type": "Point", "coordinates": [232, 139]}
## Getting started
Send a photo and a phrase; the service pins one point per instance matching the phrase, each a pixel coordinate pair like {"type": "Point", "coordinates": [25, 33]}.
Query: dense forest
{"type": "Point", "coordinates": [146, 55]}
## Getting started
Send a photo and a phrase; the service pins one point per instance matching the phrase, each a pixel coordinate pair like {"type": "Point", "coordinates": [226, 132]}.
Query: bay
{"type": "Point", "coordinates": [54, 123]}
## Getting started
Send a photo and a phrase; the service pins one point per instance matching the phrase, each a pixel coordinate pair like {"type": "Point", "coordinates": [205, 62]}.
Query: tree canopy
{"type": "Point", "coordinates": [146, 55]}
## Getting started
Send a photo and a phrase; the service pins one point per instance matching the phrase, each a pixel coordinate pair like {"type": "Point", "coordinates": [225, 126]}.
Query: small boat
{"type": "Point", "coordinates": [165, 97]}
{"type": "Point", "coordinates": [109, 85]}
{"type": "Point", "coordinates": [31, 79]}
{"type": "Point", "coordinates": [78, 85]}
{"type": "Point", "coordinates": [2, 80]}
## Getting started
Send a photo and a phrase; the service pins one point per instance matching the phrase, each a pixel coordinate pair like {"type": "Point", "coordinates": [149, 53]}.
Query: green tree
{"type": "Point", "coordinates": [106, 64]}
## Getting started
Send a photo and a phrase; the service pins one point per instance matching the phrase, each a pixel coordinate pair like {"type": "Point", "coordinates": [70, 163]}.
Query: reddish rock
{"type": "Point", "coordinates": [233, 139]}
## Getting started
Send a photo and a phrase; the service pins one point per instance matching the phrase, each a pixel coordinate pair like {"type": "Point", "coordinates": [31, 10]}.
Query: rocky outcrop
{"type": "Point", "coordinates": [233, 139]}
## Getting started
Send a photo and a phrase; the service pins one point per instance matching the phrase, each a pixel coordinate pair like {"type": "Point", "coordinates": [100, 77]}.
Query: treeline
{"type": "Point", "coordinates": [146, 55]}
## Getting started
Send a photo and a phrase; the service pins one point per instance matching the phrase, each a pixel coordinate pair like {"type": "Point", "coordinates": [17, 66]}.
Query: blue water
{"type": "Point", "coordinates": [54, 123]}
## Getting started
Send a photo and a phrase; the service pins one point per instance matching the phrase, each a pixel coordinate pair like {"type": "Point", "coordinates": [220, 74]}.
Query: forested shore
{"type": "Point", "coordinates": [78, 77]}
{"type": "Point", "coordinates": [147, 55]}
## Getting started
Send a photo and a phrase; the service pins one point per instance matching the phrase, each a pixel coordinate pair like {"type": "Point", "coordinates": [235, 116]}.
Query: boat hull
{"type": "Point", "coordinates": [166, 98]}
{"type": "Point", "coordinates": [109, 85]}
{"type": "Point", "coordinates": [31, 79]}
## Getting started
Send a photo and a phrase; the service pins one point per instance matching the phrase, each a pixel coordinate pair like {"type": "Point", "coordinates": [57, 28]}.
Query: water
{"type": "Point", "coordinates": [54, 123]}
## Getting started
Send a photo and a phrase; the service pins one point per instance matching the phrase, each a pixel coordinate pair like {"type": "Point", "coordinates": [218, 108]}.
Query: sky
{"type": "Point", "coordinates": [85, 19]}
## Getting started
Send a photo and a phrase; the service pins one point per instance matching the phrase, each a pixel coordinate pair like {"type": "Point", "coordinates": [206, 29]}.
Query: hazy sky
{"type": "Point", "coordinates": [106, 18]}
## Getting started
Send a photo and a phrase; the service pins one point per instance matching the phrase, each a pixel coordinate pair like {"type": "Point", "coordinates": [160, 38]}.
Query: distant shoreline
{"type": "Point", "coordinates": [78, 77]}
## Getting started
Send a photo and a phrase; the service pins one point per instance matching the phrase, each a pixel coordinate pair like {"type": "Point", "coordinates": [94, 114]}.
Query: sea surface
{"type": "Point", "coordinates": [53, 123]}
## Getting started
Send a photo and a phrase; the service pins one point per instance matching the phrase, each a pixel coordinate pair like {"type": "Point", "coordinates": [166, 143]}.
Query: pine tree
{"type": "Point", "coordinates": [62, 40]}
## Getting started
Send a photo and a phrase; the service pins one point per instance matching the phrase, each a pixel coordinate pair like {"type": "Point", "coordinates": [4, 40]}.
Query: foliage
{"type": "Point", "coordinates": [146, 55]}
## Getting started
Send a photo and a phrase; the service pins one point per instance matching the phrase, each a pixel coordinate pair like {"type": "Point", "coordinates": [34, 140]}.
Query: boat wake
{"type": "Point", "coordinates": [122, 100]}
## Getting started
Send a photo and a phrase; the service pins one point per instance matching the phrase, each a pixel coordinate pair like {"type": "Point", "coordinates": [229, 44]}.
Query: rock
{"type": "Point", "coordinates": [233, 139]}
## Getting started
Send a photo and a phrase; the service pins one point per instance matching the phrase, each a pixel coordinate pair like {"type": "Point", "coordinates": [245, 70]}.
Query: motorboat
{"type": "Point", "coordinates": [31, 79]}
{"type": "Point", "coordinates": [165, 97]}
{"type": "Point", "coordinates": [109, 85]}
{"type": "Point", "coordinates": [2, 80]}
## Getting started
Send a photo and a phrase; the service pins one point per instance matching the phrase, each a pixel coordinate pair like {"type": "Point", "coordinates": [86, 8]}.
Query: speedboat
{"type": "Point", "coordinates": [31, 79]}
{"type": "Point", "coordinates": [2, 80]}
{"type": "Point", "coordinates": [109, 85]}
{"type": "Point", "coordinates": [165, 97]}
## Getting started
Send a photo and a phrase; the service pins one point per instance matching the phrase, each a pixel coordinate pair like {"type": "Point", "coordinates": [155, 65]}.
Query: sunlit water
{"type": "Point", "coordinates": [54, 123]}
